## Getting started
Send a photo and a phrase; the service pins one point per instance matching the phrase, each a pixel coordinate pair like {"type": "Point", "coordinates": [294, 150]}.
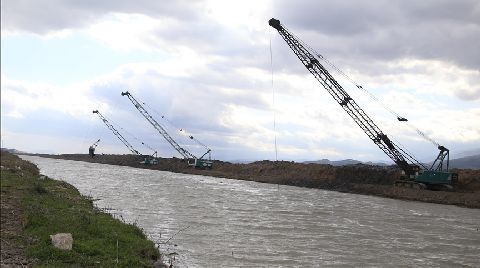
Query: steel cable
{"type": "Point", "coordinates": [373, 97]}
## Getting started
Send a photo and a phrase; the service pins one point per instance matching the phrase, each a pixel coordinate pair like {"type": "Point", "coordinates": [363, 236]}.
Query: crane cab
{"type": "Point", "coordinates": [200, 163]}
{"type": "Point", "coordinates": [149, 160]}
{"type": "Point", "coordinates": [433, 177]}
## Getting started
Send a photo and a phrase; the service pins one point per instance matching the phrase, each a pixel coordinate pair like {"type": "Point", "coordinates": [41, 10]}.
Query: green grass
{"type": "Point", "coordinates": [49, 207]}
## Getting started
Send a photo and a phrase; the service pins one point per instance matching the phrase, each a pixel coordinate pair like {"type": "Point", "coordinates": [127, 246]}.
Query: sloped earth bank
{"type": "Point", "coordinates": [33, 207]}
{"type": "Point", "coordinates": [359, 179]}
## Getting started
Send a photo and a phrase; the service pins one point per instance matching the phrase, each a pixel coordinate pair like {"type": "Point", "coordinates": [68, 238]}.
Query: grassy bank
{"type": "Point", "coordinates": [35, 207]}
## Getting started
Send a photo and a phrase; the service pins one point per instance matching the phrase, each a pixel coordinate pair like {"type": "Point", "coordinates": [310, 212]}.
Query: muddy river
{"type": "Point", "coordinates": [212, 222]}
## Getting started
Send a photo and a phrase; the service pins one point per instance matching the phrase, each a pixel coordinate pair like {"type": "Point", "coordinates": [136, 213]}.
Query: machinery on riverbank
{"type": "Point", "coordinates": [91, 149]}
{"type": "Point", "coordinates": [147, 159]}
{"type": "Point", "coordinates": [417, 175]}
{"type": "Point", "coordinates": [192, 160]}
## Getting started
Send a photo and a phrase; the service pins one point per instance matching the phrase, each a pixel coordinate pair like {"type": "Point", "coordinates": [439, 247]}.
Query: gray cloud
{"type": "Point", "coordinates": [360, 35]}
{"type": "Point", "coordinates": [364, 30]}
{"type": "Point", "coordinates": [43, 16]}
{"type": "Point", "coordinates": [357, 31]}
{"type": "Point", "coordinates": [469, 95]}
{"type": "Point", "coordinates": [195, 101]}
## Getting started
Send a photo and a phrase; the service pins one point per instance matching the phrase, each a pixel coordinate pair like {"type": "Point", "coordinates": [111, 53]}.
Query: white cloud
{"type": "Point", "coordinates": [34, 142]}
{"type": "Point", "coordinates": [23, 97]}
{"type": "Point", "coordinates": [431, 77]}
{"type": "Point", "coordinates": [129, 31]}
{"type": "Point", "coordinates": [309, 123]}
{"type": "Point", "coordinates": [238, 14]}
{"type": "Point", "coordinates": [214, 79]}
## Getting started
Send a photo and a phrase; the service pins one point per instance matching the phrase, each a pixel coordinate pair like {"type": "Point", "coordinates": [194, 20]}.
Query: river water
{"type": "Point", "coordinates": [214, 222]}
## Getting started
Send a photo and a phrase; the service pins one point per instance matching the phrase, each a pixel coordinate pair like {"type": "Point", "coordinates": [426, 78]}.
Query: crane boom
{"type": "Point", "coordinates": [95, 144]}
{"type": "Point", "coordinates": [345, 101]}
{"type": "Point", "coordinates": [186, 154]}
{"type": "Point", "coordinates": [116, 133]}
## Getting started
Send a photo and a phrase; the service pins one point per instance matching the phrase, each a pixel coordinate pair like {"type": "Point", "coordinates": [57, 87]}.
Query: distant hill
{"type": "Point", "coordinates": [13, 151]}
{"type": "Point", "coordinates": [241, 161]}
{"type": "Point", "coordinates": [471, 152]}
{"type": "Point", "coordinates": [470, 162]}
{"type": "Point", "coordinates": [345, 162]}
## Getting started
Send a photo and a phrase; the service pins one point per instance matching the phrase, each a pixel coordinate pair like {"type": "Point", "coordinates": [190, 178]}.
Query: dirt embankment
{"type": "Point", "coordinates": [13, 242]}
{"type": "Point", "coordinates": [360, 179]}
{"type": "Point", "coordinates": [34, 207]}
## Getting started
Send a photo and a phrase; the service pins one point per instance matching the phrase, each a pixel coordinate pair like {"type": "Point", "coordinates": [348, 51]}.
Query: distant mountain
{"type": "Point", "coordinates": [345, 162]}
{"type": "Point", "coordinates": [471, 152]}
{"type": "Point", "coordinates": [13, 151]}
{"type": "Point", "coordinates": [470, 162]}
{"type": "Point", "coordinates": [241, 161]}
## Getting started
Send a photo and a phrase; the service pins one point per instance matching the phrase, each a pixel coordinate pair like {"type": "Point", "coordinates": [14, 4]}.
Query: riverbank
{"type": "Point", "coordinates": [33, 207]}
{"type": "Point", "coordinates": [358, 179]}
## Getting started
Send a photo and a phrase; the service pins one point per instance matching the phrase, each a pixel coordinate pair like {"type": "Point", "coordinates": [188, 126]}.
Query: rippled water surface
{"type": "Point", "coordinates": [226, 223]}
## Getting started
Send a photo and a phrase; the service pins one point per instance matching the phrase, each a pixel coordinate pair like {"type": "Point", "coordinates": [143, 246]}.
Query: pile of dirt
{"type": "Point", "coordinates": [359, 178]}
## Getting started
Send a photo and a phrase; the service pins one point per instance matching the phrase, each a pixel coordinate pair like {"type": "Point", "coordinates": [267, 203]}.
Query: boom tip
{"type": "Point", "coordinates": [275, 24]}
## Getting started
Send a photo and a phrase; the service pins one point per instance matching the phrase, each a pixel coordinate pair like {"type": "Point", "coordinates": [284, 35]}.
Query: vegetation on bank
{"type": "Point", "coordinates": [42, 207]}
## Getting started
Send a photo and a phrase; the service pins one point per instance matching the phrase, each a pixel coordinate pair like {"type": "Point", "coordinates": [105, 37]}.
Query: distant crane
{"type": "Point", "coordinates": [91, 149]}
{"type": "Point", "coordinates": [148, 159]}
{"type": "Point", "coordinates": [437, 176]}
{"type": "Point", "coordinates": [197, 162]}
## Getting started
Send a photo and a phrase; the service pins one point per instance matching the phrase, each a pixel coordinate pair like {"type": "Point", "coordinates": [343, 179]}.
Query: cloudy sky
{"type": "Point", "coordinates": [208, 66]}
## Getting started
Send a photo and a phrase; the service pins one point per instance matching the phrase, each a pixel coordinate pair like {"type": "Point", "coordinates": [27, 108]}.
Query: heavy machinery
{"type": "Point", "coordinates": [147, 159]}
{"type": "Point", "coordinates": [435, 177]}
{"type": "Point", "coordinates": [192, 160]}
{"type": "Point", "coordinates": [91, 149]}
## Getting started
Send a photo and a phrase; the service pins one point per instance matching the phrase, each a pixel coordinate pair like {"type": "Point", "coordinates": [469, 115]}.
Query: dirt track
{"type": "Point", "coordinates": [360, 179]}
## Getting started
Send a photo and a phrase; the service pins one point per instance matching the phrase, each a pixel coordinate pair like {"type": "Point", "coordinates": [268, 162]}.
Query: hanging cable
{"type": "Point", "coordinates": [358, 86]}
{"type": "Point", "coordinates": [311, 50]}
{"type": "Point", "coordinates": [425, 136]}
{"type": "Point", "coordinates": [181, 130]}
{"type": "Point", "coordinates": [373, 97]}
{"type": "Point", "coordinates": [273, 101]}
{"type": "Point", "coordinates": [115, 107]}
{"type": "Point", "coordinates": [133, 136]}
{"type": "Point", "coordinates": [408, 154]}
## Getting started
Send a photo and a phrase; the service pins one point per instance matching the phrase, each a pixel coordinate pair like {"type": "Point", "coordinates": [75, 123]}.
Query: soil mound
{"type": "Point", "coordinates": [358, 178]}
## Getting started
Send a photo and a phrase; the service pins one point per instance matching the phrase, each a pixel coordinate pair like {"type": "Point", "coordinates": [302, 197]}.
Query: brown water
{"type": "Point", "coordinates": [213, 222]}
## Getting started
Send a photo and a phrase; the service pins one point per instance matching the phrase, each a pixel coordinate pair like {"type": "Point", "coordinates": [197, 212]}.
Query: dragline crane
{"type": "Point", "coordinates": [148, 159]}
{"type": "Point", "coordinates": [435, 176]}
{"type": "Point", "coordinates": [91, 149]}
{"type": "Point", "coordinates": [197, 162]}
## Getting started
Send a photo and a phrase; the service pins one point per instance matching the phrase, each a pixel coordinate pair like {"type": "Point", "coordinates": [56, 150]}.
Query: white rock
{"type": "Point", "coordinates": [62, 241]}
